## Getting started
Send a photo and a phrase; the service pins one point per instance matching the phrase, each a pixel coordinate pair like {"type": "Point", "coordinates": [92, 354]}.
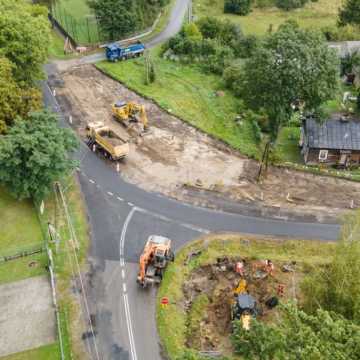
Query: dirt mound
{"type": "Point", "coordinates": [217, 282]}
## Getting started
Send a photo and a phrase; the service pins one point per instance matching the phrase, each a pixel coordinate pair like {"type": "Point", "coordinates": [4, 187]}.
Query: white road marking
{"type": "Point", "coordinates": [120, 199]}
{"type": "Point", "coordinates": [126, 301]}
{"type": "Point", "coordinates": [92, 181]}
{"type": "Point", "coordinates": [195, 228]}
{"type": "Point", "coordinates": [123, 273]}
{"type": "Point", "coordinates": [129, 326]}
{"type": "Point", "coordinates": [130, 204]}
{"type": "Point", "coordinates": [110, 193]}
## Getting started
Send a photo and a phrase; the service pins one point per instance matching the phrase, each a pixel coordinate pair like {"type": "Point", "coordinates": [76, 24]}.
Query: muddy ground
{"type": "Point", "coordinates": [174, 158]}
{"type": "Point", "coordinates": [218, 281]}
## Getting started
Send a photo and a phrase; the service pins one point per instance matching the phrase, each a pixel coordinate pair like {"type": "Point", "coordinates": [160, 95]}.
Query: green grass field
{"type": "Point", "coordinates": [19, 224]}
{"type": "Point", "coordinates": [190, 94]}
{"type": "Point", "coordinates": [313, 15]}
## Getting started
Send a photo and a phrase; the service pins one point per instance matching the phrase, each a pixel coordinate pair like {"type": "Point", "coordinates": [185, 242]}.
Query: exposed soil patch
{"type": "Point", "coordinates": [174, 155]}
{"type": "Point", "coordinates": [217, 283]}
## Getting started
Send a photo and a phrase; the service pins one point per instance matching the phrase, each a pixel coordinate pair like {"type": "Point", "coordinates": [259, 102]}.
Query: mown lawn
{"type": "Point", "coordinates": [191, 94]}
{"type": "Point", "coordinates": [47, 352]}
{"type": "Point", "coordinates": [19, 224]}
{"type": "Point", "coordinates": [313, 15]}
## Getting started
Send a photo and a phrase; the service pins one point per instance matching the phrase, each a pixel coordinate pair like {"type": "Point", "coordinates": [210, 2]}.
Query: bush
{"type": "Point", "coordinates": [245, 46]}
{"type": "Point", "coordinates": [239, 7]}
{"type": "Point", "coordinates": [218, 61]}
{"type": "Point", "coordinates": [336, 287]}
{"type": "Point", "coordinates": [290, 4]}
{"type": "Point", "coordinates": [209, 27]}
{"type": "Point", "coordinates": [300, 336]}
{"type": "Point", "coordinates": [344, 33]}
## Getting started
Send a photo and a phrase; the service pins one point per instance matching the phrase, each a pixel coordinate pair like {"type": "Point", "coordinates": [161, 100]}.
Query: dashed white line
{"type": "Point", "coordinates": [110, 193]}
{"type": "Point", "coordinates": [122, 262]}
{"type": "Point", "coordinates": [92, 181]}
{"type": "Point", "coordinates": [119, 198]}
{"type": "Point", "coordinates": [123, 273]}
{"type": "Point", "coordinates": [130, 204]}
{"type": "Point", "coordinates": [124, 287]}
{"type": "Point", "coordinates": [195, 228]}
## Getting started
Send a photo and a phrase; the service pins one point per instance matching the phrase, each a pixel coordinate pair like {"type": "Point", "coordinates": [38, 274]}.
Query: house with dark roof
{"type": "Point", "coordinates": [332, 142]}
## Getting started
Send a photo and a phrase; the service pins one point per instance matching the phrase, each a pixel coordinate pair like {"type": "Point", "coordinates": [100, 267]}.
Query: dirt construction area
{"type": "Point", "coordinates": [175, 159]}
{"type": "Point", "coordinates": [210, 297]}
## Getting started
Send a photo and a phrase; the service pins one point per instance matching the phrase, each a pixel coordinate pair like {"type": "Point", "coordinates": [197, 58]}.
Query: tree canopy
{"type": "Point", "coordinates": [24, 38]}
{"type": "Point", "coordinates": [292, 65]}
{"type": "Point", "coordinates": [34, 154]}
{"type": "Point", "coordinates": [14, 100]}
{"type": "Point", "coordinates": [118, 18]}
{"type": "Point", "coordinates": [350, 13]}
{"type": "Point", "coordinates": [299, 336]}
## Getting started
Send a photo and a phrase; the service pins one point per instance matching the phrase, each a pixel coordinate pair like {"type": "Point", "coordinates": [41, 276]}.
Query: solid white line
{"type": "Point", "coordinates": [110, 193]}
{"type": "Point", "coordinates": [129, 326]}
{"type": "Point", "coordinates": [126, 302]}
{"type": "Point", "coordinates": [120, 199]}
{"type": "Point", "coordinates": [92, 181]}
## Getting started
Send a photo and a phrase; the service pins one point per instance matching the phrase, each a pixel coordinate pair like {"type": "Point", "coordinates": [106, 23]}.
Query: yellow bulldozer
{"type": "Point", "coordinates": [130, 112]}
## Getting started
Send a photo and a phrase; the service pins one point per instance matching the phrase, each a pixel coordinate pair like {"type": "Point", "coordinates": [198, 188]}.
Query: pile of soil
{"type": "Point", "coordinates": [218, 281]}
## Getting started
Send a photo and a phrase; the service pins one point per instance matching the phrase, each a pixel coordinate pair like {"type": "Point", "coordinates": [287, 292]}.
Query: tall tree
{"type": "Point", "coordinates": [118, 18]}
{"type": "Point", "coordinates": [35, 153]}
{"type": "Point", "coordinates": [292, 65]}
{"type": "Point", "coordinates": [14, 100]}
{"type": "Point", "coordinates": [24, 38]}
{"type": "Point", "coordinates": [350, 13]}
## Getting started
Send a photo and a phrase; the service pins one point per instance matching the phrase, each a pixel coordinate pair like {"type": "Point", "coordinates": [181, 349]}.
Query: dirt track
{"type": "Point", "coordinates": [174, 154]}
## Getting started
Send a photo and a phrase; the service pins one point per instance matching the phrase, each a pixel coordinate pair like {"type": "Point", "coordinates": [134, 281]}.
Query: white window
{"type": "Point", "coordinates": [323, 154]}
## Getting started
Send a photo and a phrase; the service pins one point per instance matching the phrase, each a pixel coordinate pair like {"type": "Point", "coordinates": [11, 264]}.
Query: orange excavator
{"type": "Point", "coordinates": [154, 259]}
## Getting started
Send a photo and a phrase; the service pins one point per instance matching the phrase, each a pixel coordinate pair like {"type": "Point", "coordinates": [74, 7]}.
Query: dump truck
{"type": "Point", "coordinates": [106, 141]}
{"type": "Point", "coordinates": [154, 259]}
{"type": "Point", "coordinates": [115, 52]}
{"type": "Point", "coordinates": [127, 113]}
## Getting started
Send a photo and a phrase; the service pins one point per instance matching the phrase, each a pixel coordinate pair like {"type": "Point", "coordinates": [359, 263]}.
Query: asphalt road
{"type": "Point", "coordinates": [122, 216]}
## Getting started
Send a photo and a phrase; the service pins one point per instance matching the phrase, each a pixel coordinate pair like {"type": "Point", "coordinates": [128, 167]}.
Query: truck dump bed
{"type": "Point", "coordinates": [111, 142]}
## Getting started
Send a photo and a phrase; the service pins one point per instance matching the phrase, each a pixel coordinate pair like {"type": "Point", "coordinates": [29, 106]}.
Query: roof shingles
{"type": "Point", "coordinates": [333, 134]}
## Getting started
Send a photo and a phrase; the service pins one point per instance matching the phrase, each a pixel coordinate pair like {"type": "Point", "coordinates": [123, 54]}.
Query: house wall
{"type": "Point", "coordinates": [311, 157]}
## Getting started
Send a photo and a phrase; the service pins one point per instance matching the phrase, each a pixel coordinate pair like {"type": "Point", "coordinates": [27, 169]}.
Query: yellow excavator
{"type": "Point", "coordinates": [244, 305]}
{"type": "Point", "coordinates": [154, 259]}
{"type": "Point", "coordinates": [129, 112]}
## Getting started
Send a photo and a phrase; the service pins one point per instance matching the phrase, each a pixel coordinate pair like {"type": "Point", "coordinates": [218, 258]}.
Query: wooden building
{"type": "Point", "coordinates": [332, 142]}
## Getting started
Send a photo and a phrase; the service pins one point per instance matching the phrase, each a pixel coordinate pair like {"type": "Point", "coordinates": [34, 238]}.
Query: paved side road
{"type": "Point", "coordinates": [27, 317]}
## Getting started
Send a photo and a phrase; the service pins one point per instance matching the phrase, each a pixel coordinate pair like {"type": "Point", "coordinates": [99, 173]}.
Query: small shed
{"type": "Point", "coordinates": [335, 141]}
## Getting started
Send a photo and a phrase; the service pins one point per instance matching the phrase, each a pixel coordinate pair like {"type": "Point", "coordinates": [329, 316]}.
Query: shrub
{"type": "Point", "coordinates": [245, 46]}
{"type": "Point", "coordinates": [218, 61]}
{"type": "Point", "coordinates": [209, 27]}
{"type": "Point", "coordinates": [290, 4]}
{"type": "Point", "coordinates": [239, 7]}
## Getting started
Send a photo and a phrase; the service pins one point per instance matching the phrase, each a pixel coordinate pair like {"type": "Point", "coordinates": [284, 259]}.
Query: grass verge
{"type": "Point", "coordinates": [172, 321]}
{"type": "Point", "coordinates": [197, 98]}
{"type": "Point", "coordinates": [47, 352]}
{"type": "Point", "coordinates": [72, 323]}
{"type": "Point", "coordinates": [314, 15]}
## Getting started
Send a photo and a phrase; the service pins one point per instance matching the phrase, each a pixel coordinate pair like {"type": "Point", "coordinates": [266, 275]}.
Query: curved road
{"type": "Point", "coordinates": [121, 217]}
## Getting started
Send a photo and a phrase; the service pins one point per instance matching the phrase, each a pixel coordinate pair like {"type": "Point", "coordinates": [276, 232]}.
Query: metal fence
{"type": "Point", "coordinates": [82, 31]}
{"type": "Point", "coordinates": [20, 252]}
